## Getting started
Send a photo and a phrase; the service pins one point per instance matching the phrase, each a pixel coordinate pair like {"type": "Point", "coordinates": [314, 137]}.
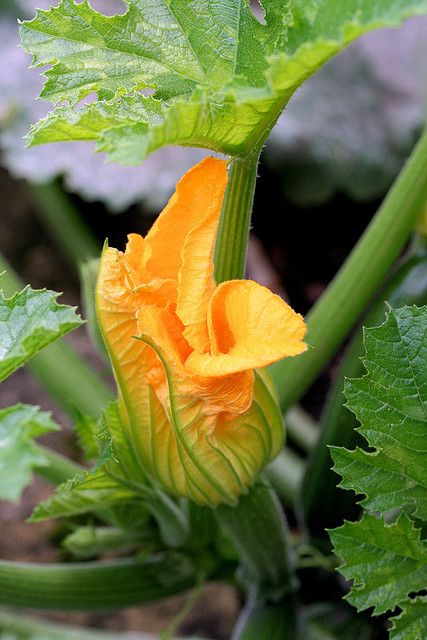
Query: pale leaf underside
{"type": "Point", "coordinates": [220, 77]}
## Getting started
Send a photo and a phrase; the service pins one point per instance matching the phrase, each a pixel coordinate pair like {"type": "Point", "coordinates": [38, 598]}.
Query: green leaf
{"type": "Point", "coordinates": [19, 425]}
{"type": "Point", "coordinates": [391, 404]}
{"type": "Point", "coordinates": [220, 77]}
{"type": "Point", "coordinates": [29, 321]}
{"type": "Point", "coordinates": [86, 432]}
{"type": "Point", "coordinates": [385, 562]}
{"type": "Point", "coordinates": [388, 562]}
{"type": "Point", "coordinates": [411, 624]}
{"type": "Point", "coordinates": [89, 493]}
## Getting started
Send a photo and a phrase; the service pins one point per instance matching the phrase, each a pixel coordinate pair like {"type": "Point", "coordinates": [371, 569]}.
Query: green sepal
{"type": "Point", "coordinates": [219, 469]}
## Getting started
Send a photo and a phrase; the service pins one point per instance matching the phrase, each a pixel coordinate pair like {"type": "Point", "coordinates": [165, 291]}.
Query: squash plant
{"type": "Point", "coordinates": [178, 467]}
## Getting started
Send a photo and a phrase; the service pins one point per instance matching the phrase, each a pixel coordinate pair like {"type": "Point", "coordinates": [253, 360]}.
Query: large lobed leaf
{"type": "Point", "coordinates": [30, 321]}
{"type": "Point", "coordinates": [412, 622]}
{"type": "Point", "coordinates": [388, 562]}
{"type": "Point", "coordinates": [391, 404]}
{"type": "Point", "coordinates": [385, 562]}
{"type": "Point", "coordinates": [220, 77]}
{"type": "Point", "coordinates": [19, 425]}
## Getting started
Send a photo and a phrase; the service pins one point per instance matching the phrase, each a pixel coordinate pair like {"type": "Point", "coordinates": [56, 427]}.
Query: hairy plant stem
{"type": "Point", "coordinates": [64, 223]}
{"type": "Point", "coordinates": [266, 570]}
{"type": "Point", "coordinates": [324, 505]}
{"type": "Point", "coordinates": [88, 586]}
{"type": "Point", "coordinates": [233, 232]}
{"type": "Point", "coordinates": [338, 310]}
{"type": "Point", "coordinates": [62, 373]}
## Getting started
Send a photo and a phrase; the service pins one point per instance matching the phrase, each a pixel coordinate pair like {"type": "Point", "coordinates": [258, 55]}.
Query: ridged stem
{"type": "Point", "coordinates": [266, 570]}
{"type": "Point", "coordinates": [88, 586]}
{"type": "Point", "coordinates": [26, 627]}
{"type": "Point", "coordinates": [269, 621]}
{"type": "Point", "coordinates": [338, 310]}
{"type": "Point", "coordinates": [233, 232]}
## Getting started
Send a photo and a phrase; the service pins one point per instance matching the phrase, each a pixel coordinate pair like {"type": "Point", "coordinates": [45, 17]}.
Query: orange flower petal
{"type": "Point", "coordinates": [189, 205]}
{"type": "Point", "coordinates": [231, 394]}
{"type": "Point", "coordinates": [133, 361]}
{"type": "Point", "coordinates": [195, 280]}
{"type": "Point", "coordinates": [116, 308]}
{"type": "Point", "coordinates": [249, 327]}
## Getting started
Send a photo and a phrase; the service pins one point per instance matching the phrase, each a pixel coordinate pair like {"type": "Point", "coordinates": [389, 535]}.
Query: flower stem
{"type": "Point", "coordinates": [323, 504]}
{"type": "Point", "coordinates": [267, 621]}
{"type": "Point", "coordinates": [266, 570]}
{"type": "Point", "coordinates": [233, 233]}
{"type": "Point", "coordinates": [338, 310]}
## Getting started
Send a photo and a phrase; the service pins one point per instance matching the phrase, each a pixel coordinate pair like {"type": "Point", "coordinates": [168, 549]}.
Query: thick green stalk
{"type": "Point", "coordinates": [63, 374]}
{"type": "Point", "coordinates": [64, 223]}
{"type": "Point", "coordinates": [91, 586]}
{"type": "Point", "coordinates": [266, 570]}
{"type": "Point", "coordinates": [337, 311]}
{"type": "Point", "coordinates": [233, 233]}
{"type": "Point", "coordinates": [269, 621]}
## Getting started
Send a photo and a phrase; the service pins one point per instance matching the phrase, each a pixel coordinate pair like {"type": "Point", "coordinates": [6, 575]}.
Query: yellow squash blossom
{"type": "Point", "coordinates": [202, 421]}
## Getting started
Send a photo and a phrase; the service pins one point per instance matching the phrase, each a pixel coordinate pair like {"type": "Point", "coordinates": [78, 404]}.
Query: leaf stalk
{"type": "Point", "coordinates": [338, 310]}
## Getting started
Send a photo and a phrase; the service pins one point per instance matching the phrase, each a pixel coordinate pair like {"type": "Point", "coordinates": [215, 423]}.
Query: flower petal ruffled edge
{"type": "Point", "coordinates": [249, 327]}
